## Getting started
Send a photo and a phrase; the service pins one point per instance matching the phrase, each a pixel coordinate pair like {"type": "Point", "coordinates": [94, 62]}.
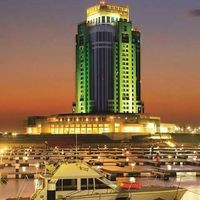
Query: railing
{"type": "Point", "coordinates": [37, 193]}
{"type": "Point", "coordinates": [69, 196]}
{"type": "Point", "coordinates": [94, 195]}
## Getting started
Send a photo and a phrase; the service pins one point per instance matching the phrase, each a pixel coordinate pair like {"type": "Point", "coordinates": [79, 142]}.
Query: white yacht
{"type": "Point", "coordinates": [78, 181]}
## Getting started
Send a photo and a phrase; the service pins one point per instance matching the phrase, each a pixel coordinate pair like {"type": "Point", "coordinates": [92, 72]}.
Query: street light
{"type": "Point", "coordinates": [132, 165]}
{"type": "Point", "coordinates": [37, 165]}
{"type": "Point", "coordinates": [132, 179]}
{"type": "Point", "coordinates": [23, 169]}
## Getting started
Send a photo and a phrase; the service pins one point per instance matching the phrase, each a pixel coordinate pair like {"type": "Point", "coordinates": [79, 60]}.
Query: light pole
{"type": "Point", "coordinates": [2, 151]}
{"type": "Point", "coordinates": [37, 167]}
{"type": "Point", "coordinates": [1, 154]}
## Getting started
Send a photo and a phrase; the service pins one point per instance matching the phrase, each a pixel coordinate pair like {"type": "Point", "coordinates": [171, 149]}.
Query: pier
{"type": "Point", "coordinates": [113, 161]}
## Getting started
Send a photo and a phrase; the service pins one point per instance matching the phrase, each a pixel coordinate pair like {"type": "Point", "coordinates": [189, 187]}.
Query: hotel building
{"type": "Point", "coordinates": [108, 84]}
{"type": "Point", "coordinates": [108, 62]}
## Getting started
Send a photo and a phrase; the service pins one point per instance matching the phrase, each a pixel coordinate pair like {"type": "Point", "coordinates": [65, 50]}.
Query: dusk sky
{"type": "Point", "coordinates": [37, 57]}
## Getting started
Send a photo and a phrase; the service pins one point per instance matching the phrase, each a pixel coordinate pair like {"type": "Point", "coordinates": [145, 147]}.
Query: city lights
{"type": "Point", "coordinates": [106, 144]}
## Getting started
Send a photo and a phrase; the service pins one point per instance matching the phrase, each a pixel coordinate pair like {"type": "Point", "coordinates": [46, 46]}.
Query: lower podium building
{"type": "Point", "coordinates": [93, 124]}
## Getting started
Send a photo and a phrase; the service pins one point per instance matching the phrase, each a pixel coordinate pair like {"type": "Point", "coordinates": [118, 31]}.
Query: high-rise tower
{"type": "Point", "coordinates": [108, 62]}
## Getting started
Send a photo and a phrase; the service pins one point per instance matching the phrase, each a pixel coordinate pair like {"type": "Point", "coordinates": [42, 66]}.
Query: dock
{"type": "Point", "coordinates": [112, 161]}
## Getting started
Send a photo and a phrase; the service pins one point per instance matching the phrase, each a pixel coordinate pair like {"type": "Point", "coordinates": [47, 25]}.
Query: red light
{"type": "Point", "coordinates": [130, 185]}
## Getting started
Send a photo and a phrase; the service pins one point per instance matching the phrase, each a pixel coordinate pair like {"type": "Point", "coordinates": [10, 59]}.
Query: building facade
{"type": "Point", "coordinates": [94, 124]}
{"type": "Point", "coordinates": [108, 62]}
{"type": "Point", "coordinates": [108, 83]}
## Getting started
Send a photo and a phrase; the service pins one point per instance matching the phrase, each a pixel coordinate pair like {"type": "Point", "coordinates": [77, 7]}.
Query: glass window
{"type": "Point", "coordinates": [83, 130]}
{"type": "Point", "coordinates": [103, 19]}
{"type": "Point", "coordinates": [125, 38]}
{"type": "Point", "coordinates": [69, 184]}
{"type": "Point", "coordinates": [90, 184]}
{"type": "Point", "coordinates": [77, 130]}
{"type": "Point", "coordinates": [100, 36]}
{"type": "Point", "coordinates": [81, 40]}
{"type": "Point", "coordinates": [89, 130]}
{"type": "Point", "coordinates": [108, 19]}
{"type": "Point", "coordinates": [83, 184]}
{"type": "Point", "coordinates": [59, 185]}
{"type": "Point", "coordinates": [125, 28]}
{"type": "Point", "coordinates": [100, 185]}
{"type": "Point", "coordinates": [71, 130]}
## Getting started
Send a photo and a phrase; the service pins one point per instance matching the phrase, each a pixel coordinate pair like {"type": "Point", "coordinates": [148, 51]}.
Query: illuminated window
{"type": "Point", "coordinates": [56, 131]}
{"type": "Point", "coordinates": [89, 130]}
{"type": "Point", "coordinates": [71, 131]}
{"type": "Point", "coordinates": [61, 130]}
{"type": "Point", "coordinates": [52, 131]}
{"type": "Point", "coordinates": [95, 130]}
{"type": "Point", "coordinates": [83, 130]}
{"type": "Point", "coordinates": [66, 130]}
{"type": "Point", "coordinates": [100, 130]}
{"type": "Point", "coordinates": [106, 125]}
{"type": "Point", "coordinates": [125, 38]}
{"type": "Point", "coordinates": [77, 130]}
{"type": "Point", "coordinates": [106, 130]}
{"type": "Point", "coordinates": [116, 130]}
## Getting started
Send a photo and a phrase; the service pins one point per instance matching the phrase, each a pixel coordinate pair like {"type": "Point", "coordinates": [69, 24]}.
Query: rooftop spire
{"type": "Point", "coordinates": [103, 2]}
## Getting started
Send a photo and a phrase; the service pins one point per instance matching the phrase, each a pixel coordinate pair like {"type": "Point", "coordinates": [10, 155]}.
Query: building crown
{"type": "Point", "coordinates": [105, 13]}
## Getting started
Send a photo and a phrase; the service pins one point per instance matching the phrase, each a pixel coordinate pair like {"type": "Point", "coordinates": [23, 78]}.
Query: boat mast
{"type": "Point", "coordinates": [76, 147]}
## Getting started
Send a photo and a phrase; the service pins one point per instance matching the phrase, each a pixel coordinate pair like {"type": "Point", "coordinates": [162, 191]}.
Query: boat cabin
{"type": "Point", "coordinates": [75, 179]}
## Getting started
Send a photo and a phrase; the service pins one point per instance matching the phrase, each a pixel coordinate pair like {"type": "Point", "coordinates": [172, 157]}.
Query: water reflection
{"type": "Point", "coordinates": [192, 183]}
{"type": "Point", "coordinates": [14, 187]}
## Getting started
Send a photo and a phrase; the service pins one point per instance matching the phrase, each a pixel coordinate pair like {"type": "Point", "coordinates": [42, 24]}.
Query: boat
{"type": "Point", "coordinates": [80, 181]}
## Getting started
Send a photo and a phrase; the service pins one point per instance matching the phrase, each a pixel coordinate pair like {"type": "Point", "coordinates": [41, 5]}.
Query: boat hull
{"type": "Point", "coordinates": [172, 194]}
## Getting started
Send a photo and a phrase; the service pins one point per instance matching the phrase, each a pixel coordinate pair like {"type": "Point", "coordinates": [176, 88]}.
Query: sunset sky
{"type": "Point", "coordinates": [37, 57]}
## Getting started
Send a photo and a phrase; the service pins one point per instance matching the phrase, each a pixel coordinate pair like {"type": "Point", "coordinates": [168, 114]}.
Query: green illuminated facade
{"type": "Point", "coordinates": [83, 71]}
{"type": "Point", "coordinates": [108, 62]}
